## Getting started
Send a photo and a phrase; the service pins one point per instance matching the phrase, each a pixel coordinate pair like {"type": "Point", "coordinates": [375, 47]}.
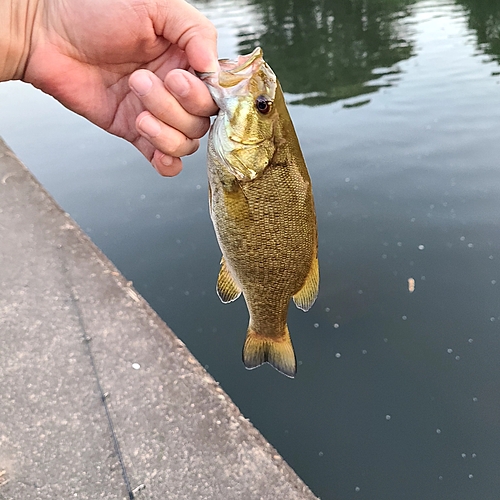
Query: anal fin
{"type": "Point", "coordinates": [278, 352]}
{"type": "Point", "coordinates": [227, 288]}
{"type": "Point", "coordinates": [305, 297]}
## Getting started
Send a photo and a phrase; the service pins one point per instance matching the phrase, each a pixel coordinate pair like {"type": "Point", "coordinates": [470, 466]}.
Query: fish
{"type": "Point", "coordinates": [262, 207]}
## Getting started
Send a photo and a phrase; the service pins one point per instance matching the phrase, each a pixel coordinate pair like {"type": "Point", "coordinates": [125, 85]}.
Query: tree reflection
{"type": "Point", "coordinates": [328, 50]}
{"type": "Point", "coordinates": [484, 19]}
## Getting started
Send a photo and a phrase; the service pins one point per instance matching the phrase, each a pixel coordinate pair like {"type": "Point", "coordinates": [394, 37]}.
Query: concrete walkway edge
{"type": "Point", "coordinates": [98, 397]}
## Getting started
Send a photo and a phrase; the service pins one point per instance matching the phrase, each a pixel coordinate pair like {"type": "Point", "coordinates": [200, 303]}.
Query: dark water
{"type": "Point", "coordinates": [397, 105]}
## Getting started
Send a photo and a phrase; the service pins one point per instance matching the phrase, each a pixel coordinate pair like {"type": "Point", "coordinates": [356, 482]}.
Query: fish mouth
{"type": "Point", "coordinates": [243, 62]}
{"type": "Point", "coordinates": [233, 71]}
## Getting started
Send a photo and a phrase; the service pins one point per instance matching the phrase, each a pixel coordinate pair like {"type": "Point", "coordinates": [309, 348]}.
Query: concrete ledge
{"type": "Point", "coordinates": [72, 330]}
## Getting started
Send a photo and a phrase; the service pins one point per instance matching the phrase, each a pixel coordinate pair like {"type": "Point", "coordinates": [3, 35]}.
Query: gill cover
{"type": "Point", "coordinates": [243, 132]}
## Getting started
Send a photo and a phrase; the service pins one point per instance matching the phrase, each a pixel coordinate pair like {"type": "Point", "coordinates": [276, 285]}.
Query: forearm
{"type": "Point", "coordinates": [17, 19]}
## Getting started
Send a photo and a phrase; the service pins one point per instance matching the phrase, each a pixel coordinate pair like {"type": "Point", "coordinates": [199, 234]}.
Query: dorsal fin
{"type": "Point", "coordinates": [306, 296]}
{"type": "Point", "coordinates": [227, 289]}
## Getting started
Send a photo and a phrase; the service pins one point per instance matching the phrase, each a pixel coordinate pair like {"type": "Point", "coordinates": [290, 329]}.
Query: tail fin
{"type": "Point", "coordinates": [278, 353]}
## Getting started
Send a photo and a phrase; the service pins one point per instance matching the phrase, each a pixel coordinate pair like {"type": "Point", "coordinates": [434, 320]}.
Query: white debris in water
{"type": "Point", "coordinates": [136, 366]}
{"type": "Point", "coordinates": [357, 489]}
{"type": "Point", "coordinates": [364, 351]}
{"type": "Point", "coordinates": [457, 358]}
{"type": "Point", "coordinates": [449, 351]}
{"type": "Point", "coordinates": [470, 341]}
{"type": "Point", "coordinates": [462, 238]}
{"type": "Point", "coordinates": [421, 247]}
{"type": "Point", "coordinates": [438, 431]}
{"type": "Point", "coordinates": [316, 325]}
{"type": "Point", "coordinates": [320, 453]}
{"type": "Point", "coordinates": [474, 399]}
{"type": "Point", "coordinates": [387, 417]}
{"type": "Point", "coordinates": [463, 455]}
{"type": "Point", "coordinates": [404, 318]}
{"type": "Point", "coordinates": [347, 179]}
{"type": "Point", "coordinates": [336, 325]}
{"type": "Point", "coordinates": [337, 354]}
{"type": "Point", "coordinates": [470, 476]}
{"type": "Point", "coordinates": [327, 309]}
{"type": "Point", "coordinates": [198, 186]}
{"type": "Point", "coordinates": [157, 216]}
{"type": "Point", "coordinates": [470, 245]}
{"type": "Point", "coordinates": [143, 196]}
{"type": "Point", "coordinates": [411, 285]}
{"type": "Point", "coordinates": [493, 282]}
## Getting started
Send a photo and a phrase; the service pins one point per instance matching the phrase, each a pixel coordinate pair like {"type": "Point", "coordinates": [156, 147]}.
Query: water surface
{"type": "Point", "coordinates": [397, 106]}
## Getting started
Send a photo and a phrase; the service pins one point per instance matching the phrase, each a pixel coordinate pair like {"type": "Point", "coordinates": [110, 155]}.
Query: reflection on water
{"type": "Point", "coordinates": [334, 49]}
{"type": "Point", "coordinates": [484, 19]}
{"type": "Point", "coordinates": [397, 394]}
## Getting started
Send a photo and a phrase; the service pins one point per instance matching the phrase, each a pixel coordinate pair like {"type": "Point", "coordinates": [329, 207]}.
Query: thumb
{"type": "Point", "coordinates": [182, 24]}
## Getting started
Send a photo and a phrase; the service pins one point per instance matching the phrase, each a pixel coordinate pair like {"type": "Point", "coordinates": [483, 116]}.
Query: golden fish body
{"type": "Point", "coordinates": [262, 207]}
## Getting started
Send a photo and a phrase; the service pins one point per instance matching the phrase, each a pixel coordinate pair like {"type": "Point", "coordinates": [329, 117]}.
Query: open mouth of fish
{"type": "Point", "coordinates": [233, 72]}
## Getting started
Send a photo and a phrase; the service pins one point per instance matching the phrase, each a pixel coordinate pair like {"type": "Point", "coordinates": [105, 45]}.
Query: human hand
{"type": "Point", "coordinates": [123, 65]}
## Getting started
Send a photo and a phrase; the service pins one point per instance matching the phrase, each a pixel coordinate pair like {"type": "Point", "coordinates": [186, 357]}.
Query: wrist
{"type": "Point", "coordinates": [17, 18]}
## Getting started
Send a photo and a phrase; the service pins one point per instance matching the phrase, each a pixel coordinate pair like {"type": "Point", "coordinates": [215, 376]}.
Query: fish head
{"type": "Point", "coordinates": [243, 132]}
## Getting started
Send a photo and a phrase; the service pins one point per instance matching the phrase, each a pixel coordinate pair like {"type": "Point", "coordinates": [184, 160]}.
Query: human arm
{"type": "Point", "coordinates": [16, 25]}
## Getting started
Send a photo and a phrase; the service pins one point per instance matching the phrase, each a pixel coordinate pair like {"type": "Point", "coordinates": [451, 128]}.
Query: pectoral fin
{"type": "Point", "coordinates": [306, 296]}
{"type": "Point", "coordinates": [227, 289]}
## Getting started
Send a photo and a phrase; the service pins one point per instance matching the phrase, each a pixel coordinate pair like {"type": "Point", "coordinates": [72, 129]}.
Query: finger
{"type": "Point", "coordinates": [185, 26]}
{"type": "Point", "coordinates": [162, 104]}
{"type": "Point", "coordinates": [164, 137]}
{"type": "Point", "coordinates": [191, 93]}
{"type": "Point", "coordinates": [166, 165]}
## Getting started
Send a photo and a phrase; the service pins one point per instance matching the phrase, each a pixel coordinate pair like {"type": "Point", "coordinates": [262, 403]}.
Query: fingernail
{"type": "Point", "coordinates": [141, 84]}
{"type": "Point", "coordinates": [214, 64]}
{"type": "Point", "coordinates": [166, 160]}
{"type": "Point", "coordinates": [161, 161]}
{"type": "Point", "coordinates": [178, 84]}
{"type": "Point", "coordinates": [150, 126]}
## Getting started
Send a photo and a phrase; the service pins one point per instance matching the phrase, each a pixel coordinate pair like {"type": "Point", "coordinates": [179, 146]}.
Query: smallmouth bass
{"type": "Point", "coordinates": [262, 207]}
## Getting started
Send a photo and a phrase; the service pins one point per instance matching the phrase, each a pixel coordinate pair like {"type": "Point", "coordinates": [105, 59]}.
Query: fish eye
{"type": "Point", "coordinates": [263, 105]}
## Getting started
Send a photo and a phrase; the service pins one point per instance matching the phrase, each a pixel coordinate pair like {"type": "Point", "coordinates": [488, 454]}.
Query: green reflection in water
{"type": "Point", "coordinates": [328, 50]}
{"type": "Point", "coordinates": [484, 18]}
